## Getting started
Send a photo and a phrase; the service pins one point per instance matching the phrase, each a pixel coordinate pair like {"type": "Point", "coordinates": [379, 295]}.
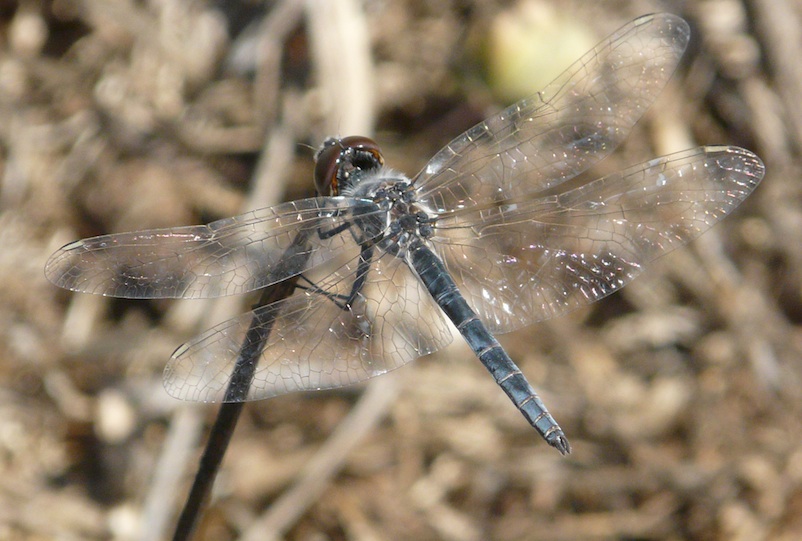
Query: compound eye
{"type": "Point", "coordinates": [360, 142]}
{"type": "Point", "coordinates": [326, 162]}
{"type": "Point", "coordinates": [337, 153]}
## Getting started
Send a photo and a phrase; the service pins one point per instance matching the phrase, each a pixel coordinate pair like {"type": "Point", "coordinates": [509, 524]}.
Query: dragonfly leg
{"type": "Point", "coordinates": [344, 302]}
{"type": "Point", "coordinates": [334, 231]}
{"type": "Point", "coordinates": [337, 298]}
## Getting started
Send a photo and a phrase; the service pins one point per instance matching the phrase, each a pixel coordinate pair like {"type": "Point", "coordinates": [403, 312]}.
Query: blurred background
{"type": "Point", "coordinates": [681, 394]}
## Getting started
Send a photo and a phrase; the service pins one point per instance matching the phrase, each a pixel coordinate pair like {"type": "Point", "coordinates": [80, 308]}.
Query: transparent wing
{"type": "Point", "coordinates": [226, 257]}
{"type": "Point", "coordinates": [556, 134]}
{"type": "Point", "coordinates": [313, 343]}
{"type": "Point", "coordinates": [521, 262]}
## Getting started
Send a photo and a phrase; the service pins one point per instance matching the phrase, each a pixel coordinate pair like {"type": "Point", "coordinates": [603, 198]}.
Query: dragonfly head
{"type": "Point", "coordinates": [339, 163]}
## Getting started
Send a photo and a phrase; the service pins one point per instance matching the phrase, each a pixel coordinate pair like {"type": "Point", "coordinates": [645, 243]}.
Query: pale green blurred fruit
{"type": "Point", "coordinates": [531, 44]}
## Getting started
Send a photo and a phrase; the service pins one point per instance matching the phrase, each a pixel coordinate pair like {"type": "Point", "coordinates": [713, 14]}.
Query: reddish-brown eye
{"type": "Point", "coordinates": [360, 142]}
{"type": "Point", "coordinates": [326, 166]}
{"type": "Point", "coordinates": [339, 153]}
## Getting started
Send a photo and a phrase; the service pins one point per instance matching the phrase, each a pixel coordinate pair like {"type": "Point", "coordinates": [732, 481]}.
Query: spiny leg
{"type": "Point", "coordinates": [344, 302]}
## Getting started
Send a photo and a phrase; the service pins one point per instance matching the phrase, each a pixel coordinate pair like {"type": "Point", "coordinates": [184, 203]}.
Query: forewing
{"type": "Point", "coordinates": [312, 342]}
{"type": "Point", "coordinates": [559, 132]}
{"type": "Point", "coordinates": [522, 262]}
{"type": "Point", "coordinates": [226, 257]}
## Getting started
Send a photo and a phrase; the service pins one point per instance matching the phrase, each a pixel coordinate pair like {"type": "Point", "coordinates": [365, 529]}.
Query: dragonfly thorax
{"type": "Point", "coordinates": [407, 221]}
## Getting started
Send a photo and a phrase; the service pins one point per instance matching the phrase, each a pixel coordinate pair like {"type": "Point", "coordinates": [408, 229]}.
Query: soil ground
{"type": "Point", "coordinates": [681, 394]}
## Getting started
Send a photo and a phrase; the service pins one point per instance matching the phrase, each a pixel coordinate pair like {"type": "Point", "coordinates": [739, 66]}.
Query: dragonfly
{"type": "Point", "coordinates": [485, 236]}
